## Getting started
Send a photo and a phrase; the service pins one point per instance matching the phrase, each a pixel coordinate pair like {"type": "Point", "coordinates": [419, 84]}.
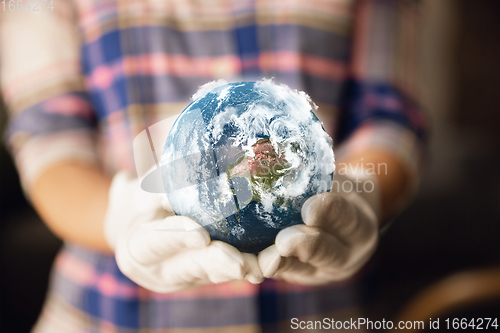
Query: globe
{"type": "Point", "coordinates": [242, 159]}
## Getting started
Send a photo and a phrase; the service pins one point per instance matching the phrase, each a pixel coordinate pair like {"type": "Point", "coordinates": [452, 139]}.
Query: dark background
{"type": "Point", "coordinates": [452, 225]}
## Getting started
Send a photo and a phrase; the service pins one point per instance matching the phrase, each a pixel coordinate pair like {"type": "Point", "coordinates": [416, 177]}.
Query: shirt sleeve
{"type": "Point", "coordinates": [50, 115]}
{"type": "Point", "coordinates": [380, 108]}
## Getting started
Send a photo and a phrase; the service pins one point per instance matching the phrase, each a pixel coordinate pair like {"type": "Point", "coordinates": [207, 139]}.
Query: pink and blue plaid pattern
{"type": "Point", "coordinates": [139, 62]}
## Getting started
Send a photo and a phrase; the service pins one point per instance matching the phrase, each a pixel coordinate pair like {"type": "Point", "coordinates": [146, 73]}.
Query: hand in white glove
{"type": "Point", "coordinates": [339, 234]}
{"type": "Point", "coordinates": [163, 252]}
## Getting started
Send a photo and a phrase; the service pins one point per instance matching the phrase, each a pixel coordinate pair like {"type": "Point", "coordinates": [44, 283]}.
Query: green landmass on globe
{"type": "Point", "coordinates": [264, 170]}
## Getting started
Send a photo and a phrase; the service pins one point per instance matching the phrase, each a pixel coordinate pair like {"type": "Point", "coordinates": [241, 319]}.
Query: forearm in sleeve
{"type": "Point", "coordinates": [72, 199]}
{"type": "Point", "coordinates": [52, 129]}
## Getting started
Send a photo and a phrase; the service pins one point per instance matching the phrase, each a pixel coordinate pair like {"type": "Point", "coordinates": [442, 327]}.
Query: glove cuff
{"type": "Point", "coordinates": [359, 184]}
{"type": "Point", "coordinates": [112, 219]}
{"type": "Point", "coordinates": [126, 203]}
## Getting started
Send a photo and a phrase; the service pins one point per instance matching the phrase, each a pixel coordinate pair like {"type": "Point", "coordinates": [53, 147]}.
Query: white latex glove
{"type": "Point", "coordinates": [163, 252]}
{"type": "Point", "coordinates": [339, 234]}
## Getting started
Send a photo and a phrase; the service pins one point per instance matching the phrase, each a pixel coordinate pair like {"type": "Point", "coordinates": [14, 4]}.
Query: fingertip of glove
{"type": "Point", "coordinates": [253, 279]}
{"type": "Point", "coordinates": [269, 260]}
{"type": "Point", "coordinates": [286, 235]}
{"type": "Point", "coordinates": [310, 207]}
{"type": "Point", "coordinates": [321, 208]}
{"type": "Point", "coordinates": [254, 274]}
{"type": "Point", "coordinates": [293, 240]}
{"type": "Point", "coordinates": [200, 236]}
{"type": "Point", "coordinates": [229, 251]}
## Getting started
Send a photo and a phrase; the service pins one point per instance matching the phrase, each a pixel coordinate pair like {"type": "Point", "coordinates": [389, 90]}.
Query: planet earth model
{"type": "Point", "coordinates": [242, 159]}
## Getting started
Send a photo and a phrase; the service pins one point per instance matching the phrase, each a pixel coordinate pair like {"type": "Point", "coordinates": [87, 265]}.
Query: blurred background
{"type": "Point", "coordinates": [452, 226]}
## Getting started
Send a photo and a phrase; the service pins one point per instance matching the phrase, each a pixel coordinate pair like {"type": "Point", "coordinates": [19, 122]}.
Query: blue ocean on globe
{"type": "Point", "coordinates": [242, 159]}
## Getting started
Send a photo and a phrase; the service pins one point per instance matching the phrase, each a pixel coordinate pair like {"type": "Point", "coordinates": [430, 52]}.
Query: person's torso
{"type": "Point", "coordinates": [142, 61]}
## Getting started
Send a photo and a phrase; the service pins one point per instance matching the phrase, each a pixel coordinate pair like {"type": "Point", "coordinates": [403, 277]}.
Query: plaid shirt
{"type": "Point", "coordinates": [82, 81]}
